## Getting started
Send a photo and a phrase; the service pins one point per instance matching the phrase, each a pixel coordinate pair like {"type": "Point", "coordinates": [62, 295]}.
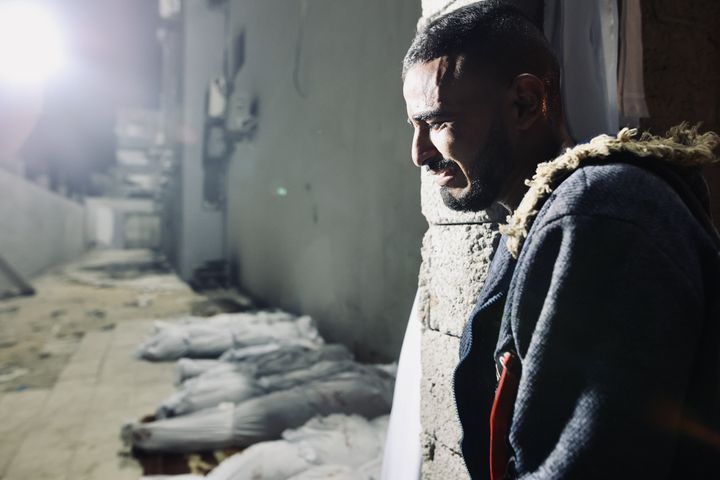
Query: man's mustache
{"type": "Point", "coordinates": [439, 164]}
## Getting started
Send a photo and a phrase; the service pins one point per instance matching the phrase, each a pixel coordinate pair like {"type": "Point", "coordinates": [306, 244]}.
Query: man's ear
{"type": "Point", "coordinates": [528, 97]}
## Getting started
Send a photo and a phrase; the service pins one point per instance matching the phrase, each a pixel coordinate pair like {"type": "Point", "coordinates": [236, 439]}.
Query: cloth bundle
{"type": "Point", "coordinates": [363, 390]}
{"type": "Point", "coordinates": [336, 443]}
{"type": "Point", "coordinates": [368, 471]}
{"type": "Point", "coordinates": [198, 337]}
{"type": "Point", "coordinates": [267, 359]}
{"type": "Point", "coordinates": [234, 385]}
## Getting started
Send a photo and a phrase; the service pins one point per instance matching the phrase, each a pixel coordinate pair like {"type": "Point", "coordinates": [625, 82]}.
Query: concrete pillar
{"type": "Point", "coordinates": [456, 252]}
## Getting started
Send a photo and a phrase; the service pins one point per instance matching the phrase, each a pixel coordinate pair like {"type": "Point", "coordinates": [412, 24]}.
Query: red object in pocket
{"type": "Point", "coordinates": [501, 415]}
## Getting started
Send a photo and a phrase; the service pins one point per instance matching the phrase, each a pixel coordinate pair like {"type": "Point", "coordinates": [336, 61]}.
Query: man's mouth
{"type": "Point", "coordinates": [443, 170]}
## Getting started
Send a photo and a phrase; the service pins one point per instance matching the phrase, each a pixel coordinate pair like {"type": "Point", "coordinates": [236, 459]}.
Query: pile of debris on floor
{"type": "Point", "coordinates": [261, 396]}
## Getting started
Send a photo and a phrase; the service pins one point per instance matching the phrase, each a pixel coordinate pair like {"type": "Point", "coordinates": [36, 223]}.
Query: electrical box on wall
{"type": "Point", "coordinates": [241, 120]}
{"type": "Point", "coordinates": [216, 147]}
{"type": "Point", "coordinates": [217, 98]}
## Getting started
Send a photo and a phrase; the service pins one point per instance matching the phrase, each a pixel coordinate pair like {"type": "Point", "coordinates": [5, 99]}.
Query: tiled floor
{"type": "Point", "coordinates": [72, 431]}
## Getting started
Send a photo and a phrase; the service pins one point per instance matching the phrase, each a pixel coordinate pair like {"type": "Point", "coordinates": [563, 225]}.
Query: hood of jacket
{"type": "Point", "coordinates": [682, 147]}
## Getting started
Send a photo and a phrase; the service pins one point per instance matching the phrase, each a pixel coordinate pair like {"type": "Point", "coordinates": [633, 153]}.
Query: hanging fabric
{"type": "Point", "coordinates": [584, 36]}
{"type": "Point", "coordinates": [631, 88]}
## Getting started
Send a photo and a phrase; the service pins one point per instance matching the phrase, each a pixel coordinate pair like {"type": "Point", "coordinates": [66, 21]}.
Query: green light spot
{"type": "Point", "coordinates": [281, 192]}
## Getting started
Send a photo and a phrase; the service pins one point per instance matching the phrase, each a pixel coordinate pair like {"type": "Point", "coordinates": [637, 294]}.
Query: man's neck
{"type": "Point", "coordinates": [513, 195]}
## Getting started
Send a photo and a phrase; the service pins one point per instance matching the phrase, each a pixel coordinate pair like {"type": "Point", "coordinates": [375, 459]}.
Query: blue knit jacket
{"type": "Point", "coordinates": [612, 307]}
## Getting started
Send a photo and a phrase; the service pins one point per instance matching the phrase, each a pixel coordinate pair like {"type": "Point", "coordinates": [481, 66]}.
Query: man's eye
{"type": "Point", "coordinates": [436, 125]}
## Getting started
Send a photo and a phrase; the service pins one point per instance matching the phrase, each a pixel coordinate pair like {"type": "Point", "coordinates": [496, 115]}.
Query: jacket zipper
{"type": "Point", "coordinates": [490, 302]}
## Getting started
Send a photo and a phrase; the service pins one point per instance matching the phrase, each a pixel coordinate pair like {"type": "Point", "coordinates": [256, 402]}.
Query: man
{"type": "Point", "coordinates": [600, 313]}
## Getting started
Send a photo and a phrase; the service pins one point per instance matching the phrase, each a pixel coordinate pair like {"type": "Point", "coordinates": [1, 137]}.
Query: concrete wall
{"type": "Point", "coordinates": [201, 227]}
{"type": "Point", "coordinates": [38, 229]}
{"type": "Point", "coordinates": [323, 202]}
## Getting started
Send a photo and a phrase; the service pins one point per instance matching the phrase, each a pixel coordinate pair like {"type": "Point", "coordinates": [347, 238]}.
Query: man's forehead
{"type": "Point", "coordinates": [441, 81]}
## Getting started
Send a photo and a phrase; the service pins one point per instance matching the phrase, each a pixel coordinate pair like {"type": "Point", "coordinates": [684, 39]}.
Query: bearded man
{"type": "Point", "coordinates": [592, 351]}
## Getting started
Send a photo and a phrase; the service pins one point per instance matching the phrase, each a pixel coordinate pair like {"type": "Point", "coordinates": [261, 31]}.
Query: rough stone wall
{"type": "Point", "coordinates": [434, 8]}
{"type": "Point", "coordinates": [456, 252]}
{"type": "Point", "coordinates": [681, 55]}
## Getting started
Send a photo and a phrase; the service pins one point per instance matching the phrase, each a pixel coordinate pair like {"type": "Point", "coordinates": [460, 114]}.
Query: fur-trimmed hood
{"type": "Point", "coordinates": [683, 146]}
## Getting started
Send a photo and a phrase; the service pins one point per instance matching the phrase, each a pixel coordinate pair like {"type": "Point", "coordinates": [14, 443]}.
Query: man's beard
{"type": "Point", "coordinates": [487, 173]}
{"type": "Point", "coordinates": [472, 200]}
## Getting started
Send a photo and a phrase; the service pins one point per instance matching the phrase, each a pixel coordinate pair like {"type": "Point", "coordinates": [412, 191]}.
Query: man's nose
{"type": "Point", "coordinates": [422, 147]}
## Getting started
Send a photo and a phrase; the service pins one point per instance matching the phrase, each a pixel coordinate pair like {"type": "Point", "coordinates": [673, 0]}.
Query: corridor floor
{"type": "Point", "coordinates": [68, 376]}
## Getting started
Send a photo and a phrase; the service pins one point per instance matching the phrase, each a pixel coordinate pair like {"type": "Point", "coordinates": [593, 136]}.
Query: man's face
{"type": "Point", "coordinates": [459, 132]}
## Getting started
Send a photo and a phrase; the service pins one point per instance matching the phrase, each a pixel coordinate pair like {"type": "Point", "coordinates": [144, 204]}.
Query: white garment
{"type": "Point", "coordinates": [403, 455]}
{"type": "Point", "coordinates": [631, 88]}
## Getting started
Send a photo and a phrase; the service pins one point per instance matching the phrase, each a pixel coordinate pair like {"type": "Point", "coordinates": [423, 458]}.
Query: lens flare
{"type": "Point", "coordinates": [31, 43]}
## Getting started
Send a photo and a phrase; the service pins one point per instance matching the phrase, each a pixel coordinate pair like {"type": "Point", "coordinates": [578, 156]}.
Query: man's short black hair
{"type": "Point", "coordinates": [497, 34]}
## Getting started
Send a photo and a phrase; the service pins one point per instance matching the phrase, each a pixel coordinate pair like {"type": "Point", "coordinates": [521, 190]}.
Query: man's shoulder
{"type": "Point", "coordinates": [601, 197]}
{"type": "Point", "coordinates": [621, 191]}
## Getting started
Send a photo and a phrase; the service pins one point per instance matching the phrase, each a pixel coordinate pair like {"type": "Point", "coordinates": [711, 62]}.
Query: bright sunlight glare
{"type": "Point", "coordinates": [31, 43]}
